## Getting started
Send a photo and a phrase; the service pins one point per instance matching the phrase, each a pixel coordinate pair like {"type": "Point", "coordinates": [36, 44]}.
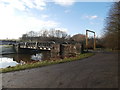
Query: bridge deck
{"type": "Point", "coordinates": [36, 45]}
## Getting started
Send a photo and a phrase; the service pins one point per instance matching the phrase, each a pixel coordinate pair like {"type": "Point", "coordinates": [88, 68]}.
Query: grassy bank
{"type": "Point", "coordinates": [110, 50]}
{"type": "Point", "coordinates": [7, 46]}
{"type": "Point", "coordinates": [45, 63]}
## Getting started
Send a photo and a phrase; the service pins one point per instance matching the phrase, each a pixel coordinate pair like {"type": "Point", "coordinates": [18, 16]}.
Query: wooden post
{"type": "Point", "coordinates": [94, 42]}
{"type": "Point", "coordinates": [86, 40]}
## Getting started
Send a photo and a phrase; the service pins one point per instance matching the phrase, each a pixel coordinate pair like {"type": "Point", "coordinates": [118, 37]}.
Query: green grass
{"type": "Point", "coordinates": [44, 63]}
{"type": "Point", "coordinates": [110, 50]}
{"type": "Point", "coordinates": [7, 46]}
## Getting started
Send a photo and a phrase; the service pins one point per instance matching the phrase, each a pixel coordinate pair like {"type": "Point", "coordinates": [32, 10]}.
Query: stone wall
{"type": "Point", "coordinates": [55, 50]}
{"type": "Point", "coordinates": [69, 50]}
{"type": "Point", "coordinates": [78, 48]}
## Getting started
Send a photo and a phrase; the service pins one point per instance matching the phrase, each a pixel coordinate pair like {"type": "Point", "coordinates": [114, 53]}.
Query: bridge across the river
{"type": "Point", "coordinates": [55, 49]}
{"type": "Point", "coordinates": [36, 45]}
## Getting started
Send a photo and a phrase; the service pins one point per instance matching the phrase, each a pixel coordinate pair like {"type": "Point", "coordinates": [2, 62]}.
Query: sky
{"type": "Point", "coordinates": [18, 17]}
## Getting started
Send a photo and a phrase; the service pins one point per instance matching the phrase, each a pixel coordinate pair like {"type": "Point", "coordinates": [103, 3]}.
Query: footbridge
{"type": "Point", "coordinates": [36, 45]}
{"type": "Point", "coordinates": [54, 49]}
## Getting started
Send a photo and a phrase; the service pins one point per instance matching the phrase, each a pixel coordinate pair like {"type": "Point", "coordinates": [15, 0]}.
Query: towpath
{"type": "Point", "coordinates": [98, 71]}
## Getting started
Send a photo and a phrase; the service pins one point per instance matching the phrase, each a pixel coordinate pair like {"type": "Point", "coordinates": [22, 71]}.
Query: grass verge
{"type": "Point", "coordinates": [44, 63]}
{"type": "Point", "coordinates": [110, 50]}
{"type": "Point", "coordinates": [7, 46]}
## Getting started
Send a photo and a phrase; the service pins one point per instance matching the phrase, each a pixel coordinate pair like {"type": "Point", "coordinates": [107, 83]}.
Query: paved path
{"type": "Point", "coordinates": [98, 71]}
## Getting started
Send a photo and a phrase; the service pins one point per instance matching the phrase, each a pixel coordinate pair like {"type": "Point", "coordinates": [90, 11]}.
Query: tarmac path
{"type": "Point", "coordinates": [98, 71]}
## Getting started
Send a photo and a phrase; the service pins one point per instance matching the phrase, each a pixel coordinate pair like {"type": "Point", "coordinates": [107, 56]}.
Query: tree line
{"type": "Point", "coordinates": [59, 36]}
{"type": "Point", "coordinates": [112, 27]}
{"type": "Point", "coordinates": [45, 35]}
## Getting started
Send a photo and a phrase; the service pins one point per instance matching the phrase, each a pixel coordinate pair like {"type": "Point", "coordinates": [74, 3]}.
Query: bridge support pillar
{"type": "Point", "coordinates": [55, 50]}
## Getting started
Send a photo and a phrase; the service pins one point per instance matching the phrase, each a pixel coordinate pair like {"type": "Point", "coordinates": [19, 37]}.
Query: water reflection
{"type": "Point", "coordinates": [37, 57]}
{"type": "Point", "coordinates": [14, 59]}
{"type": "Point", "coordinates": [6, 62]}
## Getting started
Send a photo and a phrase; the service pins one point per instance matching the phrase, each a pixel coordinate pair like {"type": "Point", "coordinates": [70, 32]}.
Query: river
{"type": "Point", "coordinates": [9, 58]}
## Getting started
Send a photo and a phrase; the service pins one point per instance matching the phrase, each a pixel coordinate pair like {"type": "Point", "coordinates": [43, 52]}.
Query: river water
{"type": "Point", "coordinates": [9, 58]}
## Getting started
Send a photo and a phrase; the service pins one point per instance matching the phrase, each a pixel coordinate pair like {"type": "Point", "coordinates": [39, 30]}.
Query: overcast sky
{"type": "Point", "coordinates": [20, 16]}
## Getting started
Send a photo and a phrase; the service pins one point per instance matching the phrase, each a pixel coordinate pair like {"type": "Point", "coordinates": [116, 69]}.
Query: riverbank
{"type": "Point", "coordinates": [6, 49]}
{"type": "Point", "coordinates": [44, 63]}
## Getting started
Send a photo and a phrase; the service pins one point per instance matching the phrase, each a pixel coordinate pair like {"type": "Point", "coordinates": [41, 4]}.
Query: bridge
{"type": "Point", "coordinates": [55, 50]}
{"type": "Point", "coordinates": [7, 42]}
{"type": "Point", "coordinates": [35, 45]}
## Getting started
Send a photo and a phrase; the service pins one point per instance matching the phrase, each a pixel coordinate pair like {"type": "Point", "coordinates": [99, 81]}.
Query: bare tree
{"type": "Point", "coordinates": [52, 32]}
{"type": "Point", "coordinates": [31, 34]}
{"type": "Point", "coordinates": [64, 35]}
{"type": "Point", "coordinates": [58, 33]}
{"type": "Point", "coordinates": [46, 35]}
{"type": "Point", "coordinates": [24, 37]}
{"type": "Point", "coordinates": [112, 28]}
